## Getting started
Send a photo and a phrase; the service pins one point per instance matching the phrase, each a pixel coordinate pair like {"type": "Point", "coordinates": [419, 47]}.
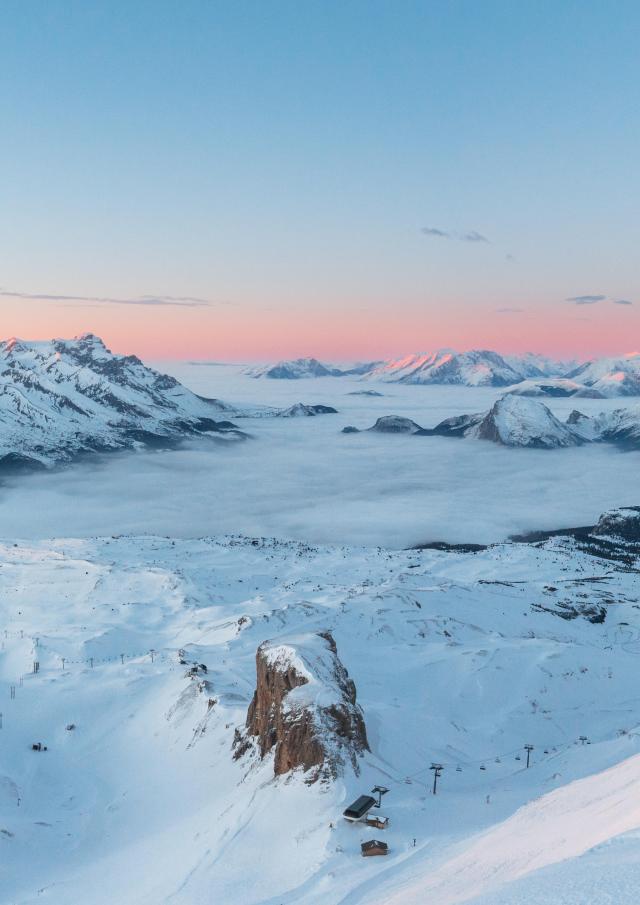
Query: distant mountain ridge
{"type": "Point", "coordinates": [610, 376]}
{"type": "Point", "coordinates": [522, 422]}
{"type": "Point", "coordinates": [444, 366]}
{"type": "Point", "coordinates": [62, 398]}
{"type": "Point", "coordinates": [294, 370]}
{"type": "Point", "coordinates": [528, 374]}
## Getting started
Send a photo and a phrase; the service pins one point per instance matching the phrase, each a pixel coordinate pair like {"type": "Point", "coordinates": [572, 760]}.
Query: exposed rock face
{"type": "Point", "coordinates": [395, 424]}
{"type": "Point", "coordinates": [301, 410]}
{"type": "Point", "coordinates": [458, 426]}
{"type": "Point", "coordinates": [304, 708]}
{"type": "Point", "coordinates": [620, 523]}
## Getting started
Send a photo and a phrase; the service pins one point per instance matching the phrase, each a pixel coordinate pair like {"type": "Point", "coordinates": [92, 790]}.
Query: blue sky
{"type": "Point", "coordinates": [282, 161]}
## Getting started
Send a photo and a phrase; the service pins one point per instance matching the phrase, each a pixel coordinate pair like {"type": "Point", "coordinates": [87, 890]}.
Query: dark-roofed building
{"type": "Point", "coordinates": [359, 808]}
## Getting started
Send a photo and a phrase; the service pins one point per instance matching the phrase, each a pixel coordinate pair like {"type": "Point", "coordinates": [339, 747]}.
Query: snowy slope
{"type": "Point", "coordinates": [457, 658]}
{"type": "Point", "coordinates": [519, 421]}
{"type": "Point", "coordinates": [294, 370]}
{"type": "Point", "coordinates": [530, 364]}
{"type": "Point", "coordinates": [62, 398]}
{"type": "Point", "coordinates": [561, 825]}
{"type": "Point", "coordinates": [553, 388]}
{"type": "Point", "coordinates": [611, 376]}
{"type": "Point", "coordinates": [446, 366]}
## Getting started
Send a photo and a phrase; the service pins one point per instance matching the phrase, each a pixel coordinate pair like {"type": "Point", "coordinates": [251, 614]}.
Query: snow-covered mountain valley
{"type": "Point", "coordinates": [146, 667]}
{"type": "Point", "coordinates": [215, 620]}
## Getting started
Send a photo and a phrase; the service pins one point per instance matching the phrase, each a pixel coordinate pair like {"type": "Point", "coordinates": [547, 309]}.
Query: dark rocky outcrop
{"type": "Point", "coordinates": [395, 424]}
{"type": "Point", "coordinates": [620, 523]}
{"type": "Point", "coordinates": [458, 426]}
{"type": "Point", "coordinates": [304, 709]}
{"type": "Point", "coordinates": [301, 410]}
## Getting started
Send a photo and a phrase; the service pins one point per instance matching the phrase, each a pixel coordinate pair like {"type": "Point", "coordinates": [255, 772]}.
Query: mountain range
{"type": "Point", "coordinates": [528, 374]}
{"type": "Point", "coordinates": [522, 422]}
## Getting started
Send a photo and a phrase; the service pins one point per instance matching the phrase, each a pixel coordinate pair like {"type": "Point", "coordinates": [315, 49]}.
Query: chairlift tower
{"type": "Point", "coordinates": [379, 791]}
{"type": "Point", "coordinates": [528, 749]}
{"type": "Point", "coordinates": [437, 770]}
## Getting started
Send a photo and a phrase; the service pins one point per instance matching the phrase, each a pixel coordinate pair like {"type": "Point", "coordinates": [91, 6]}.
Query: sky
{"type": "Point", "coordinates": [350, 180]}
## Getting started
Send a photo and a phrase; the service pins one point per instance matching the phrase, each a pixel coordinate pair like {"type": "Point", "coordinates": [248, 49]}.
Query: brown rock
{"type": "Point", "coordinates": [305, 708]}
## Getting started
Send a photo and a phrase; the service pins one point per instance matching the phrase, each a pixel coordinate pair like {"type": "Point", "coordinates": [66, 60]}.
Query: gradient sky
{"type": "Point", "coordinates": [253, 180]}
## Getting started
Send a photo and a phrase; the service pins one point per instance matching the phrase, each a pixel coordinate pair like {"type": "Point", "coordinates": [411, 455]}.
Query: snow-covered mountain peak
{"type": "Point", "coordinates": [65, 397]}
{"type": "Point", "coordinates": [618, 376]}
{"type": "Point", "coordinates": [521, 421]}
{"type": "Point", "coordinates": [296, 369]}
{"type": "Point", "coordinates": [477, 367]}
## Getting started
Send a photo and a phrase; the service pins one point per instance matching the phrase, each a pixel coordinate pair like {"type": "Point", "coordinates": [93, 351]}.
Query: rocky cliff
{"type": "Point", "coordinates": [304, 709]}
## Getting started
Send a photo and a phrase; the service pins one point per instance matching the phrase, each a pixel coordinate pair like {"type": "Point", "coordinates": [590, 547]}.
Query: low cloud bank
{"type": "Point", "coordinates": [305, 480]}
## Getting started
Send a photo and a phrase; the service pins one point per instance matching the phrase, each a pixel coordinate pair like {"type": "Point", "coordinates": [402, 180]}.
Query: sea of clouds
{"type": "Point", "coordinates": [303, 479]}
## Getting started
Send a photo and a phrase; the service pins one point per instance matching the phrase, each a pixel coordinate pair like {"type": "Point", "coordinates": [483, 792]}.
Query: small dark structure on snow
{"type": "Point", "coordinates": [360, 807]}
{"type": "Point", "coordinates": [377, 821]}
{"type": "Point", "coordinates": [38, 746]}
{"type": "Point", "coordinates": [374, 847]}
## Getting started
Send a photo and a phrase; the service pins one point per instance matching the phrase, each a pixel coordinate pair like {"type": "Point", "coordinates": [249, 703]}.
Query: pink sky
{"type": "Point", "coordinates": [247, 333]}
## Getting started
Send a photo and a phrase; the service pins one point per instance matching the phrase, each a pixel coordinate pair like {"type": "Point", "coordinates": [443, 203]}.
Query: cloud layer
{"type": "Point", "coordinates": [310, 482]}
{"type": "Point", "coordinates": [172, 301]}
{"type": "Point", "coordinates": [594, 299]}
{"type": "Point", "coordinates": [471, 235]}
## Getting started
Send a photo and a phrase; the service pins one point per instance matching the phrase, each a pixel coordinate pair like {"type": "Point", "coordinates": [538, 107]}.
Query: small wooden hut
{"type": "Point", "coordinates": [374, 847]}
{"type": "Point", "coordinates": [377, 821]}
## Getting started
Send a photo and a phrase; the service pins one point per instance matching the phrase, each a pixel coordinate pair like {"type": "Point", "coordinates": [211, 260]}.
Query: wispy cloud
{"type": "Point", "coordinates": [434, 231]}
{"type": "Point", "coordinates": [621, 302]}
{"type": "Point", "coordinates": [471, 235]}
{"type": "Point", "coordinates": [169, 301]}
{"type": "Point", "coordinates": [509, 310]}
{"type": "Point", "coordinates": [510, 258]}
{"type": "Point", "coordinates": [586, 299]}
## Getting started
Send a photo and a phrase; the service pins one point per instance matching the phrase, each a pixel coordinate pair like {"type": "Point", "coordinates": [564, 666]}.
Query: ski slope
{"type": "Point", "coordinates": [458, 658]}
{"type": "Point", "coordinates": [558, 827]}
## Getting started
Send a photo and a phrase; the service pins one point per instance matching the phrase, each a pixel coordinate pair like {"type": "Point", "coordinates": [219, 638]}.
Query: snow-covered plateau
{"type": "Point", "coordinates": [146, 652]}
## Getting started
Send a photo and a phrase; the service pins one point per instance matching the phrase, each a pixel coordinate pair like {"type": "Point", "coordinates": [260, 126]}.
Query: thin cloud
{"type": "Point", "coordinates": [168, 301]}
{"type": "Point", "coordinates": [471, 235]}
{"type": "Point", "coordinates": [510, 258]}
{"type": "Point", "coordinates": [509, 310]}
{"type": "Point", "coordinates": [586, 299]}
{"type": "Point", "coordinates": [621, 302]}
{"type": "Point", "coordinates": [434, 231]}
